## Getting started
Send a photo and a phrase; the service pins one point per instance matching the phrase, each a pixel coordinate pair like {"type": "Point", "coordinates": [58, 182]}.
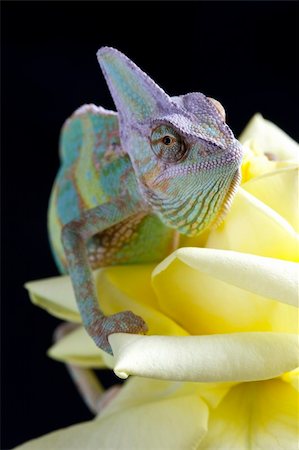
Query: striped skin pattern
{"type": "Point", "coordinates": [130, 182]}
{"type": "Point", "coordinates": [94, 171]}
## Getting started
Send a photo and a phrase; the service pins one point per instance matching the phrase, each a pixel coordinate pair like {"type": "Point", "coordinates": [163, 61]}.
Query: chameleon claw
{"type": "Point", "coordinates": [123, 322]}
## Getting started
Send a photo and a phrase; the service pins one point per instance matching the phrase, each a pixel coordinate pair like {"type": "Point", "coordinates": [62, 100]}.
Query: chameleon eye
{"type": "Point", "coordinates": [167, 144]}
{"type": "Point", "coordinates": [167, 140]}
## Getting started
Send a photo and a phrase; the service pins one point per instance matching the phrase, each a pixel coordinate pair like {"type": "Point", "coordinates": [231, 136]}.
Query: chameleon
{"type": "Point", "coordinates": [132, 181]}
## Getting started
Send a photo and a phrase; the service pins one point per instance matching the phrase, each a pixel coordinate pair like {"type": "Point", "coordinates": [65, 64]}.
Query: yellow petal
{"type": "Point", "coordinates": [77, 348]}
{"type": "Point", "coordinates": [140, 390]}
{"type": "Point", "coordinates": [212, 393]}
{"type": "Point", "coordinates": [284, 319]}
{"type": "Point", "coordinates": [137, 391]}
{"type": "Point", "coordinates": [212, 291]}
{"type": "Point", "coordinates": [56, 296]}
{"type": "Point", "coordinates": [269, 277]}
{"type": "Point", "coordinates": [119, 288]}
{"type": "Point", "coordinates": [253, 227]}
{"type": "Point", "coordinates": [255, 416]}
{"type": "Point", "coordinates": [266, 137]}
{"type": "Point", "coordinates": [292, 378]}
{"type": "Point", "coordinates": [172, 423]}
{"type": "Point", "coordinates": [129, 288]}
{"type": "Point", "coordinates": [225, 357]}
{"type": "Point", "coordinates": [279, 190]}
{"type": "Point", "coordinates": [134, 281]}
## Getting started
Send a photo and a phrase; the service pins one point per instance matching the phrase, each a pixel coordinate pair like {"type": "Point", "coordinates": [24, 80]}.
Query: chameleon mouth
{"type": "Point", "coordinates": [228, 199]}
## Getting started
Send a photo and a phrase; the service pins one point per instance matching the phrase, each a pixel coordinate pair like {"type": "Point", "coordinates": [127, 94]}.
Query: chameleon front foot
{"type": "Point", "coordinates": [123, 322]}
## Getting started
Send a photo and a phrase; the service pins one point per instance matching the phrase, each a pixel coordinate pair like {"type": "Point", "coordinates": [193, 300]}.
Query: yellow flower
{"type": "Point", "coordinates": [219, 367]}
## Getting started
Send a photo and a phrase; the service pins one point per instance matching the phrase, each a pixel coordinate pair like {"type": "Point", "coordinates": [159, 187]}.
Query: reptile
{"type": "Point", "coordinates": [132, 181]}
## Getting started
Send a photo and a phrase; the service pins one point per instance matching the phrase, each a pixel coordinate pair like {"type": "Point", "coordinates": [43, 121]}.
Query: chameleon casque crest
{"type": "Point", "coordinates": [130, 182]}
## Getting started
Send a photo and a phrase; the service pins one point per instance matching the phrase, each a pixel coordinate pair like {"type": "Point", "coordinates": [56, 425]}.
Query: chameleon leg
{"type": "Point", "coordinates": [74, 237]}
{"type": "Point", "coordinates": [86, 381]}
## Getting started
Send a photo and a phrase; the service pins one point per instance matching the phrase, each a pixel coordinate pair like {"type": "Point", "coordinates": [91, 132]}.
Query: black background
{"type": "Point", "coordinates": [241, 53]}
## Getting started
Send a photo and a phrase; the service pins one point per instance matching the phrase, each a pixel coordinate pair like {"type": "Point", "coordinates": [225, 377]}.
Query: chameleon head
{"type": "Point", "coordinates": [185, 156]}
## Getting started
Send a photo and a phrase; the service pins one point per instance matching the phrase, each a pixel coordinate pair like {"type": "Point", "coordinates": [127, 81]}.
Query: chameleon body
{"type": "Point", "coordinates": [96, 170]}
{"type": "Point", "coordinates": [130, 182]}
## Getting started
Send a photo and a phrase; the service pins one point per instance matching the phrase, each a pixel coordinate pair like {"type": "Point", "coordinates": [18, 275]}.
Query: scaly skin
{"type": "Point", "coordinates": [131, 182]}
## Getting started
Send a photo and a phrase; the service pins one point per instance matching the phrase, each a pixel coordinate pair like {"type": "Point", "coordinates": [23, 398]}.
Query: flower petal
{"type": "Point", "coordinates": [279, 190]}
{"type": "Point", "coordinates": [132, 281]}
{"type": "Point", "coordinates": [212, 291]}
{"type": "Point", "coordinates": [119, 288]}
{"type": "Point", "coordinates": [139, 390]}
{"type": "Point", "coordinates": [172, 423]}
{"type": "Point", "coordinates": [253, 227]}
{"type": "Point", "coordinates": [129, 288]}
{"type": "Point", "coordinates": [269, 277]}
{"type": "Point", "coordinates": [263, 135]}
{"type": "Point", "coordinates": [225, 357]}
{"type": "Point", "coordinates": [292, 378]}
{"type": "Point", "coordinates": [256, 416]}
{"type": "Point", "coordinates": [56, 296]}
{"type": "Point", "coordinates": [77, 348]}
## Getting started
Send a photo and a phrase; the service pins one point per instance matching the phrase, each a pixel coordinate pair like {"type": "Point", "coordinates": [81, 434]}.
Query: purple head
{"type": "Point", "coordinates": [186, 158]}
